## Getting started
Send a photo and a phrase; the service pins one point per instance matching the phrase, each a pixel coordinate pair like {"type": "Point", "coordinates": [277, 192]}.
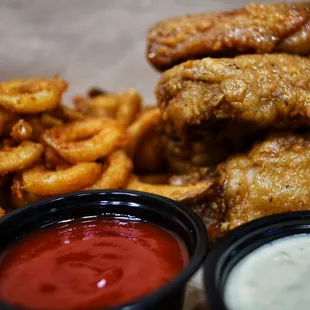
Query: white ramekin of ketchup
{"type": "Point", "coordinates": [99, 250]}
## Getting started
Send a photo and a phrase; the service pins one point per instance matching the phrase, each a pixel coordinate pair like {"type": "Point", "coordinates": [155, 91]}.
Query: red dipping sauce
{"type": "Point", "coordinates": [85, 264]}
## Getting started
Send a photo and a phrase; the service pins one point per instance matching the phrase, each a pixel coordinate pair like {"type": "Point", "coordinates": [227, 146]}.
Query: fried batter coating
{"type": "Point", "coordinates": [257, 28]}
{"type": "Point", "coordinates": [257, 90]}
{"type": "Point", "coordinates": [205, 148]}
{"type": "Point", "coordinates": [272, 178]}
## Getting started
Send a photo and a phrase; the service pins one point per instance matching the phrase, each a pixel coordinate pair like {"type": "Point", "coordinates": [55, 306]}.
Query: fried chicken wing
{"type": "Point", "coordinates": [256, 90]}
{"type": "Point", "coordinates": [272, 178]}
{"type": "Point", "coordinates": [204, 149]}
{"type": "Point", "coordinates": [257, 28]}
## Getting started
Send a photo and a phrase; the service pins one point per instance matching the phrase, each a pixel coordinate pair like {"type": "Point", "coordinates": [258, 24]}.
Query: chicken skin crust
{"type": "Point", "coordinates": [257, 28]}
{"type": "Point", "coordinates": [272, 178]}
{"type": "Point", "coordinates": [271, 90]}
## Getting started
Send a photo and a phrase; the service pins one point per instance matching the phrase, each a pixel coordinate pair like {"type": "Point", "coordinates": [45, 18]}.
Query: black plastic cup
{"type": "Point", "coordinates": [242, 241]}
{"type": "Point", "coordinates": [158, 210]}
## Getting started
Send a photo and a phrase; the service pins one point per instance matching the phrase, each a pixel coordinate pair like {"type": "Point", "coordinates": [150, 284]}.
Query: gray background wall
{"type": "Point", "coordinates": [88, 42]}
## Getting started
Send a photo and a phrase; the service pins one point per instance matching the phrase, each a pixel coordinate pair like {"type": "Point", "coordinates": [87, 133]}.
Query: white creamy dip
{"type": "Point", "coordinates": [275, 276]}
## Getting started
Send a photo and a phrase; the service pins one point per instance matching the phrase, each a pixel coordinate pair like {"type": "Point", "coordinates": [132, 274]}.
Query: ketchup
{"type": "Point", "coordinates": [90, 263]}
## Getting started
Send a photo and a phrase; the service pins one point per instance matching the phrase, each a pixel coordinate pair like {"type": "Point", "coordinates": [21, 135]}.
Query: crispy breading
{"type": "Point", "coordinates": [257, 90]}
{"type": "Point", "coordinates": [272, 178]}
{"type": "Point", "coordinates": [203, 149]}
{"type": "Point", "coordinates": [297, 43]}
{"type": "Point", "coordinates": [257, 28]}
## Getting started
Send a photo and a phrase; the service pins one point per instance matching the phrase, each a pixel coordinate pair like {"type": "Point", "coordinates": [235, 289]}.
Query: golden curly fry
{"type": "Point", "coordinates": [102, 105]}
{"type": "Point", "coordinates": [60, 116]}
{"type": "Point", "coordinates": [6, 144]}
{"type": "Point", "coordinates": [147, 121]}
{"type": "Point", "coordinates": [53, 160]}
{"type": "Point", "coordinates": [37, 127]}
{"type": "Point", "coordinates": [20, 157]}
{"type": "Point", "coordinates": [20, 197]}
{"type": "Point", "coordinates": [31, 95]}
{"type": "Point", "coordinates": [161, 178]}
{"type": "Point", "coordinates": [195, 176]}
{"type": "Point", "coordinates": [101, 137]}
{"type": "Point", "coordinates": [21, 131]}
{"type": "Point", "coordinates": [80, 104]}
{"type": "Point", "coordinates": [149, 158]}
{"type": "Point", "coordinates": [6, 118]}
{"type": "Point", "coordinates": [116, 174]}
{"type": "Point", "coordinates": [129, 108]}
{"type": "Point", "coordinates": [50, 121]}
{"type": "Point", "coordinates": [40, 181]}
{"type": "Point", "coordinates": [26, 199]}
{"type": "Point", "coordinates": [68, 113]}
{"type": "Point", "coordinates": [2, 212]}
{"type": "Point", "coordinates": [183, 193]}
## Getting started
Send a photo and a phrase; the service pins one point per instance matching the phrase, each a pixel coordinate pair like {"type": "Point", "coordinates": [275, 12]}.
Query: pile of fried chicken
{"type": "Point", "coordinates": [236, 105]}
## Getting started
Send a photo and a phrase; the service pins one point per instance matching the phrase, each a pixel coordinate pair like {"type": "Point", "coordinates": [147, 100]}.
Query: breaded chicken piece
{"type": "Point", "coordinates": [274, 177]}
{"type": "Point", "coordinates": [257, 28]}
{"type": "Point", "coordinates": [253, 90]}
{"type": "Point", "coordinates": [204, 149]}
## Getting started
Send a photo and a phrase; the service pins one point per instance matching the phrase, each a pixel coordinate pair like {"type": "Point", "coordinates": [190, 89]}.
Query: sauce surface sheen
{"type": "Point", "coordinates": [87, 264]}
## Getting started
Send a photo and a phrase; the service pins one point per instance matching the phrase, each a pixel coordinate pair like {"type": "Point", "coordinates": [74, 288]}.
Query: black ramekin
{"type": "Point", "coordinates": [158, 210]}
{"type": "Point", "coordinates": [240, 242]}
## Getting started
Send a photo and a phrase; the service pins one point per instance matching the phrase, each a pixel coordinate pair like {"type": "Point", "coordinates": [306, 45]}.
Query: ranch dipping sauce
{"type": "Point", "coordinates": [275, 276]}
